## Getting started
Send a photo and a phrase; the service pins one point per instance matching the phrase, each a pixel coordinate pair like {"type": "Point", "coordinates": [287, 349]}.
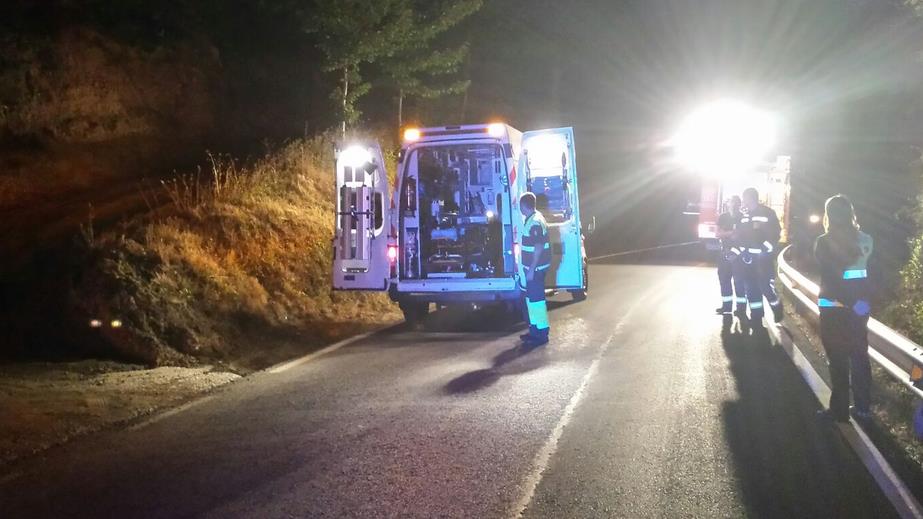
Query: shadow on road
{"type": "Point", "coordinates": [790, 463]}
{"type": "Point", "coordinates": [511, 361]}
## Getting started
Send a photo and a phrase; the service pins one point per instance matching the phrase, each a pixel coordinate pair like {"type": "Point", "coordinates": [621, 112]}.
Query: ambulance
{"type": "Point", "coordinates": [771, 178]}
{"type": "Point", "coordinates": [451, 230]}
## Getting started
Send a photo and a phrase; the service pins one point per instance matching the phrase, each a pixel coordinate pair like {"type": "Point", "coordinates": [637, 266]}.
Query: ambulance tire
{"type": "Point", "coordinates": [414, 311]}
{"type": "Point", "coordinates": [580, 295]}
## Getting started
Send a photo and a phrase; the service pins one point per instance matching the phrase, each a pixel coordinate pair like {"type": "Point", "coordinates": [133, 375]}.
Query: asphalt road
{"type": "Point", "coordinates": [643, 405]}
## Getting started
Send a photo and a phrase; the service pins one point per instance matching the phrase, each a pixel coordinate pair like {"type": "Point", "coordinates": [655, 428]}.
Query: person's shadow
{"type": "Point", "coordinates": [789, 463]}
{"type": "Point", "coordinates": [503, 364]}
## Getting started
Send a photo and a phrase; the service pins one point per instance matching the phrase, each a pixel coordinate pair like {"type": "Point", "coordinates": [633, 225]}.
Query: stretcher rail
{"type": "Point", "coordinates": [898, 355]}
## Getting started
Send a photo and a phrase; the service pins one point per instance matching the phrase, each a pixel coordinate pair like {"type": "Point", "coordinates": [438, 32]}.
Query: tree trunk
{"type": "Point", "coordinates": [345, 97]}
{"type": "Point", "coordinates": [400, 109]}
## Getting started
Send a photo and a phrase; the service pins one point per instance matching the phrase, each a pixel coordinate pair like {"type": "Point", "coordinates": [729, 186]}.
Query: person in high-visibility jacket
{"type": "Point", "coordinates": [758, 232]}
{"type": "Point", "coordinates": [730, 273]}
{"type": "Point", "coordinates": [536, 260]}
{"type": "Point", "coordinates": [842, 254]}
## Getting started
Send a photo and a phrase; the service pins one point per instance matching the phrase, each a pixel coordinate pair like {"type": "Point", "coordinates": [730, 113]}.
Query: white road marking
{"type": "Point", "coordinates": [170, 412]}
{"type": "Point", "coordinates": [285, 366]}
{"type": "Point", "coordinates": [892, 486]}
{"type": "Point", "coordinates": [543, 457]}
{"type": "Point", "coordinates": [540, 463]}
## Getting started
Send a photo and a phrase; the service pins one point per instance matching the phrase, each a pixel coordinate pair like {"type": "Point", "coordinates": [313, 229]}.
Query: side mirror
{"type": "Point", "coordinates": [591, 227]}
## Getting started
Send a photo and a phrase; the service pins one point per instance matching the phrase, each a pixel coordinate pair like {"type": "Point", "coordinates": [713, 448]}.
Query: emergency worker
{"type": "Point", "coordinates": [842, 254]}
{"type": "Point", "coordinates": [536, 260]}
{"type": "Point", "coordinates": [730, 275]}
{"type": "Point", "coordinates": [758, 231]}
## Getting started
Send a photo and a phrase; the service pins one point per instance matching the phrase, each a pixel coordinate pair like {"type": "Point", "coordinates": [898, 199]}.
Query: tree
{"type": "Point", "coordinates": [351, 33]}
{"type": "Point", "coordinates": [419, 70]}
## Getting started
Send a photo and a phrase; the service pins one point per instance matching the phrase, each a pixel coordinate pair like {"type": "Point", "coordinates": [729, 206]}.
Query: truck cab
{"type": "Point", "coordinates": [452, 231]}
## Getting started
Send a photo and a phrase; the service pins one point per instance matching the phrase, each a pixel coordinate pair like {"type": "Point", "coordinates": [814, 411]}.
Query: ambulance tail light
{"type": "Point", "coordinates": [707, 231]}
{"type": "Point", "coordinates": [392, 260]}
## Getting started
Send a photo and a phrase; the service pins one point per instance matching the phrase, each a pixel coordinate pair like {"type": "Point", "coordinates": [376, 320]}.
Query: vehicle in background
{"type": "Point", "coordinates": [452, 231]}
{"type": "Point", "coordinates": [770, 178]}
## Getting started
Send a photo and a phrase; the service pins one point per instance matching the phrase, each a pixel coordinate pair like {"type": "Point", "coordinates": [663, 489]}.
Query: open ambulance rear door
{"type": "Point", "coordinates": [548, 160]}
{"type": "Point", "coordinates": [360, 245]}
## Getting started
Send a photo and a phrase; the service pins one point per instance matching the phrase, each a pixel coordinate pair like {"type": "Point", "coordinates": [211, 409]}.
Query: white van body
{"type": "Point", "coordinates": [453, 228]}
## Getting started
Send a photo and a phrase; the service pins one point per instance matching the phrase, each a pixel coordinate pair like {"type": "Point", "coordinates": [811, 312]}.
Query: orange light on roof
{"type": "Point", "coordinates": [411, 134]}
{"type": "Point", "coordinates": [496, 129]}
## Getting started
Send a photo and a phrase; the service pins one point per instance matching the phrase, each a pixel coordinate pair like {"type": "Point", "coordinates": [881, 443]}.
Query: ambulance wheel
{"type": "Point", "coordinates": [580, 295]}
{"type": "Point", "coordinates": [414, 311]}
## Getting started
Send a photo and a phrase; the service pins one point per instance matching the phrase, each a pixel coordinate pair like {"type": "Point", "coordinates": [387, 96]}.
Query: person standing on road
{"type": "Point", "coordinates": [536, 260]}
{"type": "Point", "coordinates": [842, 254]}
{"type": "Point", "coordinates": [758, 232]}
{"type": "Point", "coordinates": [730, 276]}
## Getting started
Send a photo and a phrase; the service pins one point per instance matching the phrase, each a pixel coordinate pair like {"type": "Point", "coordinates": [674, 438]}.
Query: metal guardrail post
{"type": "Point", "coordinates": [898, 355]}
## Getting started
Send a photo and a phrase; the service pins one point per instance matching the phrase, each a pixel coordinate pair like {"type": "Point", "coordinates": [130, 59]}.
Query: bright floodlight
{"type": "Point", "coordinates": [724, 137]}
{"type": "Point", "coordinates": [355, 156]}
{"type": "Point", "coordinates": [815, 218]}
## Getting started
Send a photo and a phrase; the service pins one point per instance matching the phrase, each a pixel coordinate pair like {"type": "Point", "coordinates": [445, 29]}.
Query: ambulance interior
{"type": "Point", "coordinates": [454, 208]}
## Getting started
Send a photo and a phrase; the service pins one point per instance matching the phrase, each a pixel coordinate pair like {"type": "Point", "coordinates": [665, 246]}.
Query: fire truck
{"type": "Point", "coordinates": [451, 230]}
{"type": "Point", "coordinates": [770, 178]}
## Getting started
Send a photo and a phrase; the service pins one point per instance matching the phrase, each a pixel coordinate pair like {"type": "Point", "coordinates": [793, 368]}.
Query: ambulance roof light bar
{"type": "Point", "coordinates": [496, 130]}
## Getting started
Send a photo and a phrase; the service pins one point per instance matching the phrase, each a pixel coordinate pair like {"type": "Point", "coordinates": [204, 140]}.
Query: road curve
{"type": "Point", "coordinates": [642, 406]}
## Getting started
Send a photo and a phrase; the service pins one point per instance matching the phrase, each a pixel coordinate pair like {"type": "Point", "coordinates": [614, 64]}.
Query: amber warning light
{"type": "Point", "coordinates": [411, 134]}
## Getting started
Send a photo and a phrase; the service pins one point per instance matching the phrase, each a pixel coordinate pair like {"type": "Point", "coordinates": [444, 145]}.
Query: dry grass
{"type": "Point", "coordinates": [238, 253]}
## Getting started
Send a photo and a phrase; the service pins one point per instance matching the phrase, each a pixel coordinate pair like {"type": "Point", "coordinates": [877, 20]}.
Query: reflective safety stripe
{"type": "Point", "coordinates": [735, 250]}
{"type": "Point", "coordinates": [756, 306]}
{"type": "Point", "coordinates": [855, 274]}
{"type": "Point", "coordinates": [823, 302]}
{"type": "Point", "coordinates": [527, 248]}
{"type": "Point", "coordinates": [755, 251]}
{"type": "Point", "coordinates": [538, 314]}
{"type": "Point", "coordinates": [768, 246]}
{"type": "Point", "coordinates": [744, 220]}
{"type": "Point", "coordinates": [763, 219]}
{"type": "Point", "coordinates": [542, 267]}
{"type": "Point", "coordinates": [727, 299]}
{"type": "Point", "coordinates": [741, 300]}
{"type": "Point", "coordinates": [775, 303]}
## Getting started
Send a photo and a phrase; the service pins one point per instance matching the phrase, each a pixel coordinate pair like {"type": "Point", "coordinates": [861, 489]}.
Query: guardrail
{"type": "Point", "coordinates": [898, 355]}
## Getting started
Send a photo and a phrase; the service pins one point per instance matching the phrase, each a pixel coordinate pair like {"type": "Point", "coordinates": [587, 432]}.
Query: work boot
{"type": "Point", "coordinates": [722, 310]}
{"type": "Point", "coordinates": [533, 332]}
{"type": "Point", "coordinates": [829, 416]}
{"type": "Point", "coordinates": [539, 339]}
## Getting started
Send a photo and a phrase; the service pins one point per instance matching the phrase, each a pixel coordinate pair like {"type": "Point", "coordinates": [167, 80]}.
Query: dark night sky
{"type": "Point", "coordinates": [841, 75]}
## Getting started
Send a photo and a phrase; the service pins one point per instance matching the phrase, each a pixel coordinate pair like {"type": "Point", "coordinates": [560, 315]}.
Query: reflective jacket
{"type": "Point", "coordinates": [758, 230]}
{"type": "Point", "coordinates": [842, 286]}
{"type": "Point", "coordinates": [535, 241]}
{"type": "Point", "coordinates": [727, 222]}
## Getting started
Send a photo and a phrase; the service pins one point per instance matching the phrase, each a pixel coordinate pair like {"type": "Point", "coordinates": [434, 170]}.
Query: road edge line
{"type": "Point", "coordinates": [888, 481]}
{"type": "Point", "coordinates": [289, 364]}
{"type": "Point", "coordinates": [543, 457]}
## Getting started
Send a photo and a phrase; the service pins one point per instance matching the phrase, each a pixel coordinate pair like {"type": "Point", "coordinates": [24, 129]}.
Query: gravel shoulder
{"type": "Point", "coordinates": [46, 404]}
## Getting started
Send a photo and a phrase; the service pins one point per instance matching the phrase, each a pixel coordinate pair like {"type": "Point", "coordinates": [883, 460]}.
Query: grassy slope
{"type": "Point", "coordinates": [228, 263]}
